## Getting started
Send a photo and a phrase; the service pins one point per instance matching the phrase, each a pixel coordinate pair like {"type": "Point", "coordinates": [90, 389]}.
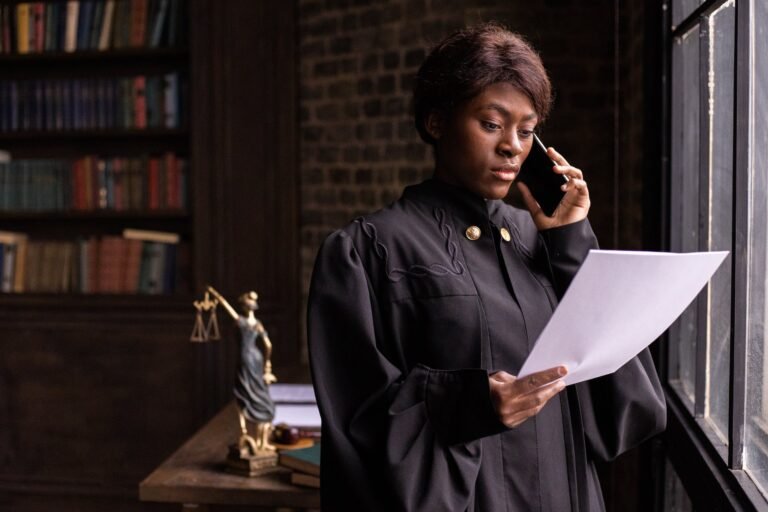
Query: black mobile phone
{"type": "Point", "coordinates": [542, 181]}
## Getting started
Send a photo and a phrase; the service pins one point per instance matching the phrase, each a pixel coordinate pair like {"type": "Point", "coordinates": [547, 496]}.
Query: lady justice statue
{"type": "Point", "coordinates": [254, 374]}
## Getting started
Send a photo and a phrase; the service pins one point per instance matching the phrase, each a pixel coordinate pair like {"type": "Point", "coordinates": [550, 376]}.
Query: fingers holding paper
{"type": "Point", "coordinates": [516, 400]}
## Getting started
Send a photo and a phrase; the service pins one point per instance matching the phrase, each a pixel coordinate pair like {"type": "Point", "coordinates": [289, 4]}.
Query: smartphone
{"type": "Point", "coordinates": [542, 181]}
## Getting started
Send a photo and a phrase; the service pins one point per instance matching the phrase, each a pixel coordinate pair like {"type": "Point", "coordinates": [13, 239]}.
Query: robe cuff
{"type": "Point", "coordinates": [572, 240]}
{"type": "Point", "coordinates": [567, 247]}
{"type": "Point", "coordinates": [459, 405]}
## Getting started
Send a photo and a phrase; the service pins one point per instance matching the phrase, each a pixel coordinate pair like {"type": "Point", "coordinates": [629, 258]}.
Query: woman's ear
{"type": "Point", "coordinates": [434, 124]}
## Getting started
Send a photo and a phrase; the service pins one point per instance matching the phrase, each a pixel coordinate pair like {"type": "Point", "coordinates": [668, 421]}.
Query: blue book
{"type": "Point", "coordinates": [171, 102]}
{"type": "Point", "coordinates": [156, 34]}
{"type": "Point", "coordinates": [39, 100]}
{"type": "Point", "coordinates": [14, 93]}
{"type": "Point", "coordinates": [5, 103]}
{"type": "Point", "coordinates": [84, 24]}
{"type": "Point", "coordinates": [4, 186]}
{"type": "Point", "coordinates": [61, 27]}
{"type": "Point", "coordinates": [97, 20]}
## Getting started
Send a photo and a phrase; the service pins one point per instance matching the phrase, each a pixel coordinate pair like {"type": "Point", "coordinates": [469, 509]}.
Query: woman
{"type": "Point", "coordinates": [420, 315]}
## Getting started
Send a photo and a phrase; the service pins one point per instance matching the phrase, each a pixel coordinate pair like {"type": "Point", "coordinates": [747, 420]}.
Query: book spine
{"type": "Point", "coordinates": [7, 254]}
{"type": "Point", "coordinates": [7, 22]}
{"type": "Point", "coordinates": [159, 23]}
{"type": "Point", "coordinates": [70, 37]}
{"type": "Point", "coordinates": [95, 29]}
{"type": "Point", "coordinates": [138, 22]}
{"type": "Point", "coordinates": [170, 109]}
{"type": "Point", "coordinates": [22, 28]}
{"type": "Point", "coordinates": [83, 24]}
{"type": "Point", "coordinates": [21, 267]}
{"type": "Point", "coordinates": [106, 25]}
{"type": "Point", "coordinates": [140, 102]}
{"type": "Point", "coordinates": [38, 12]}
{"type": "Point", "coordinates": [153, 184]}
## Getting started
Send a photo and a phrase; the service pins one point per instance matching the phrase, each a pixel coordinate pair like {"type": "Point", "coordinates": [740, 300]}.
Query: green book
{"type": "Point", "coordinates": [304, 460]}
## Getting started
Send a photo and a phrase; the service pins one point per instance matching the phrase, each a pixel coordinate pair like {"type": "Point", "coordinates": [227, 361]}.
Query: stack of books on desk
{"type": "Point", "coordinates": [304, 464]}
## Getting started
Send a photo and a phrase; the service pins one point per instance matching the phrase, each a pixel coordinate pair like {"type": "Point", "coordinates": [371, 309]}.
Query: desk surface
{"type": "Point", "coordinates": [196, 473]}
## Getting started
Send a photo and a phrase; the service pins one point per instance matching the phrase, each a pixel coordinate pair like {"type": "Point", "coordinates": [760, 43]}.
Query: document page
{"type": "Point", "coordinates": [618, 304]}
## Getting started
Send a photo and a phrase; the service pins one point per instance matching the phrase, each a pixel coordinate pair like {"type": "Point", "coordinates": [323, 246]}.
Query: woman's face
{"type": "Point", "coordinates": [485, 140]}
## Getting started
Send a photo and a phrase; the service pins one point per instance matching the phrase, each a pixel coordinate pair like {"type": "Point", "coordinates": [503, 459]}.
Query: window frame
{"type": "Point", "coordinates": [712, 473]}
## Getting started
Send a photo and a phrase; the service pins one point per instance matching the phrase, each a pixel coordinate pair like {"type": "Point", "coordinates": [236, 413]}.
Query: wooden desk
{"type": "Point", "coordinates": [195, 475]}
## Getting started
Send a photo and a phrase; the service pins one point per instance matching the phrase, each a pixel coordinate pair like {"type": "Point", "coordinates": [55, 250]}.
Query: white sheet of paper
{"type": "Point", "coordinates": [618, 304]}
{"type": "Point", "coordinates": [292, 393]}
{"type": "Point", "coordinates": [297, 415]}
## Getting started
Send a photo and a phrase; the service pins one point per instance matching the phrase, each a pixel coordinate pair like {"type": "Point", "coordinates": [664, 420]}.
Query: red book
{"type": "Point", "coordinates": [78, 184]}
{"type": "Point", "coordinates": [140, 102]}
{"type": "Point", "coordinates": [88, 179]}
{"type": "Point", "coordinates": [132, 266]}
{"type": "Point", "coordinates": [38, 39]}
{"type": "Point", "coordinates": [6, 27]}
{"type": "Point", "coordinates": [93, 166]}
{"type": "Point", "coordinates": [112, 253]}
{"type": "Point", "coordinates": [118, 194]}
{"type": "Point", "coordinates": [153, 184]}
{"type": "Point", "coordinates": [138, 22]}
{"type": "Point", "coordinates": [172, 177]}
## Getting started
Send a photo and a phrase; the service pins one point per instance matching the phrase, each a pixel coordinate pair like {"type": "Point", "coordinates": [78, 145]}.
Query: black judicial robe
{"type": "Point", "coordinates": [408, 317]}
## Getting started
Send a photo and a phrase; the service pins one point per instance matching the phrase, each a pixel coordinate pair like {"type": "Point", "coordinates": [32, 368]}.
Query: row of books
{"type": "Point", "coordinates": [76, 25]}
{"type": "Point", "coordinates": [93, 183]}
{"type": "Point", "coordinates": [136, 102]}
{"type": "Point", "coordinates": [144, 262]}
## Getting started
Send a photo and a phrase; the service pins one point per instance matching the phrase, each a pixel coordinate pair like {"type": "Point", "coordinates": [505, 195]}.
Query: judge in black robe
{"type": "Point", "coordinates": [413, 310]}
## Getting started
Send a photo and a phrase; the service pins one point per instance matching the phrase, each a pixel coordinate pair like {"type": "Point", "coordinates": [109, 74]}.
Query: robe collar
{"type": "Point", "coordinates": [468, 206]}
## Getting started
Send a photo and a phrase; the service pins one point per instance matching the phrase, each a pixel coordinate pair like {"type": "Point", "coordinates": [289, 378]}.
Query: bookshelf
{"type": "Point", "coordinates": [96, 389]}
{"type": "Point", "coordinates": [101, 86]}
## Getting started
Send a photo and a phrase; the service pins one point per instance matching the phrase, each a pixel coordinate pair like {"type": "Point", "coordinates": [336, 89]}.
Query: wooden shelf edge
{"type": "Point", "coordinates": [96, 55]}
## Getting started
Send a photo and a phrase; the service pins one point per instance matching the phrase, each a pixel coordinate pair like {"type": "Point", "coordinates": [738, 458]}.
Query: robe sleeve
{"type": "Point", "coordinates": [392, 438]}
{"type": "Point", "coordinates": [620, 410]}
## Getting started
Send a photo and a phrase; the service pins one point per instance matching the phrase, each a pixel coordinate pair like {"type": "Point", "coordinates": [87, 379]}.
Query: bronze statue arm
{"type": "Point", "coordinates": [269, 377]}
{"type": "Point", "coordinates": [224, 303]}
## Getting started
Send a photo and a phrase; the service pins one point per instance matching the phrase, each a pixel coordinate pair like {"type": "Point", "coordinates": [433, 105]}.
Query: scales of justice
{"type": "Point", "coordinates": [251, 455]}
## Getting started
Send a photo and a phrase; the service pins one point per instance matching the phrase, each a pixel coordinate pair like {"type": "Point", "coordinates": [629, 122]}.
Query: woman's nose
{"type": "Point", "coordinates": [510, 146]}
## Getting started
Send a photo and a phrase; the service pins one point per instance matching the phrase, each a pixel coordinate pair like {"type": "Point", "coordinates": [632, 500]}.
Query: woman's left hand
{"type": "Point", "coordinates": [575, 203]}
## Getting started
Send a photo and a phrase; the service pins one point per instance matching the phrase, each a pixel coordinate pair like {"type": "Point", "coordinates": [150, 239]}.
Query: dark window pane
{"type": "Point", "coordinates": [684, 222]}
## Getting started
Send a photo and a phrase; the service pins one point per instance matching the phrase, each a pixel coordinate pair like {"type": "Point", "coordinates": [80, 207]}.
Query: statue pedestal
{"type": "Point", "coordinates": [242, 462]}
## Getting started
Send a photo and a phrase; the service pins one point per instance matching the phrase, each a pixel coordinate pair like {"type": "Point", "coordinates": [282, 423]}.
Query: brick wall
{"type": "Point", "coordinates": [358, 144]}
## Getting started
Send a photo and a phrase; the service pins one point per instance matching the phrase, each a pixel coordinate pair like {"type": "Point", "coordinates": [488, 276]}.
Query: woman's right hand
{"type": "Point", "coordinates": [516, 400]}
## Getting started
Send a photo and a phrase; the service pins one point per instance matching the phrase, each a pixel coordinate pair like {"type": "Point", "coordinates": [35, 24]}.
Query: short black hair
{"type": "Point", "coordinates": [469, 60]}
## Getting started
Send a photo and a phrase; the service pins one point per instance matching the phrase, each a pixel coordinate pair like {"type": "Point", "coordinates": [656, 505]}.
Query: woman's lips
{"type": "Point", "coordinates": [506, 172]}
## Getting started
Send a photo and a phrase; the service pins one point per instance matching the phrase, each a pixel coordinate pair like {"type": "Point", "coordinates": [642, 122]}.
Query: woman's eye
{"type": "Point", "coordinates": [525, 133]}
{"type": "Point", "coordinates": [491, 126]}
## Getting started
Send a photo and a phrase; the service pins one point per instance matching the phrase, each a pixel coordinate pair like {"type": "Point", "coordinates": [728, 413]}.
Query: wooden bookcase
{"type": "Point", "coordinates": [96, 390]}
